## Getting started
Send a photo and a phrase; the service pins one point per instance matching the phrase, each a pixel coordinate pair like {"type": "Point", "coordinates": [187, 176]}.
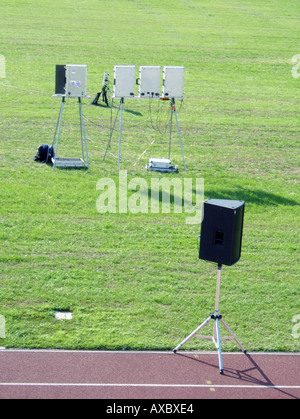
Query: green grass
{"type": "Point", "coordinates": [134, 281]}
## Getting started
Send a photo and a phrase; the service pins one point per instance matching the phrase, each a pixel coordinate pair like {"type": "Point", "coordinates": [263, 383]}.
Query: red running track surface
{"type": "Point", "coordinates": [31, 374]}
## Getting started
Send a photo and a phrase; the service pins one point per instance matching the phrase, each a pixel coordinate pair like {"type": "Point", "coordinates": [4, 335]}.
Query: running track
{"type": "Point", "coordinates": [147, 375]}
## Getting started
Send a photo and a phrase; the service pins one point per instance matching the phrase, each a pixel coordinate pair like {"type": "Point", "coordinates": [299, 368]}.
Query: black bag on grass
{"type": "Point", "coordinates": [44, 154]}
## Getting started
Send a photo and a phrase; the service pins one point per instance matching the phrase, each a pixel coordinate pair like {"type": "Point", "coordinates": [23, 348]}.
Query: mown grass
{"type": "Point", "coordinates": [133, 281]}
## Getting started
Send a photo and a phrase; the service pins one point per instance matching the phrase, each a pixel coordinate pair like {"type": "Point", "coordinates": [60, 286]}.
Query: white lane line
{"type": "Point", "coordinates": [149, 385]}
{"type": "Point", "coordinates": [199, 353]}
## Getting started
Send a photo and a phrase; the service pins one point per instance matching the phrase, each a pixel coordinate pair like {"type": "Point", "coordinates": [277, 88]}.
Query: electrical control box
{"type": "Point", "coordinates": [173, 82]}
{"type": "Point", "coordinates": [161, 165]}
{"type": "Point", "coordinates": [124, 81]}
{"type": "Point", "coordinates": [150, 82]}
{"type": "Point", "coordinates": [76, 80]}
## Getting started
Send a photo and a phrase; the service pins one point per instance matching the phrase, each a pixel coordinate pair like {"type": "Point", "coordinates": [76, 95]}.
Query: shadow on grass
{"type": "Point", "coordinates": [252, 196]}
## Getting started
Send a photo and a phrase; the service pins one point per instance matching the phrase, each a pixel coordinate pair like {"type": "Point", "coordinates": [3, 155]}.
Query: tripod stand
{"type": "Point", "coordinates": [121, 108]}
{"type": "Point", "coordinates": [216, 338]}
{"type": "Point", "coordinates": [102, 92]}
{"type": "Point", "coordinates": [70, 162]}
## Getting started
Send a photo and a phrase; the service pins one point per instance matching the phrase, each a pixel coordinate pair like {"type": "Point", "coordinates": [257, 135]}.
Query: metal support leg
{"type": "Point", "coordinates": [113, 127]}
{"type": "Point", "coordinates": [171, 128]}
{"type": "Point", "coordinates": [57, 131]}
{"type": "Point", "coordinates": [82, 129]}
{"type": "Point", "coordinates": [178, 129]}
{"type": "Point", "coordinates": [192, 334]}
{"type": "Point", "coordinates": [233, 335]}
{"type": "Point", "coordinates": [219, 344]}
{"type": "Point", "coordinates": [120, 134]}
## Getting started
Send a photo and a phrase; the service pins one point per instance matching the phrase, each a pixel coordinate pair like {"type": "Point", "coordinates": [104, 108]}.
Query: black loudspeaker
{"type": "Point", "coordinates": [60, 80]}
{"type": "Point", "coordinates": [221, 231]}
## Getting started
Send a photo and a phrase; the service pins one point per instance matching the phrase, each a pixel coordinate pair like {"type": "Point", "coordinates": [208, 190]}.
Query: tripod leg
{"type": "Point", "coordinates": [120, 134]}
{"type": "Point", "coordinates": [82, 129]}
{"type": "Point", "coordinates": [219, 344]}
{"type": "Point", "coordinates": [58, 127]}
{"type": "Point", "coordinates": [178, 129]}
{"type": "Point", "coordinates": [233, 335]}
{"type": "Point", "coordinates": [81, 135]}
{"type": "Point", "coordinates": [96, 98]}
{"type": "Point", "coordinates": [105, 99]}
{"type": "Point", "coordinates": [112, 130]}
{"type": "Point", "coordinates": [192, 334]}
{"type": "Point", "coordinates": [171, 126]}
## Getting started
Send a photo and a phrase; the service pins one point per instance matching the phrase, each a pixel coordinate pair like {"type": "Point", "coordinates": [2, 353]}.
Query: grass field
{"type": "Point", "coordinates": [134, 281]}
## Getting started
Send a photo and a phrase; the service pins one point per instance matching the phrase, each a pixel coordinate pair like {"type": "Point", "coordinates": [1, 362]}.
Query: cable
{"type": "Point", "coordinates": [25, 90]}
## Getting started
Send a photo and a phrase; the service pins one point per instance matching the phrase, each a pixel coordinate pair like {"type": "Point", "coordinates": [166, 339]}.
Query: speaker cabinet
{"type": "Point", "coordinates": [221, 231]}
{"type": "Point", "coordinates": [60, 80]}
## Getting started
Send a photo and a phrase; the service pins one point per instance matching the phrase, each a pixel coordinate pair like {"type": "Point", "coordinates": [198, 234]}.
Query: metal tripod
{"type": "Point", "coordinates": [70, 162]}
{"type": "Point", "coordinates": [121, 107]}
{"type": "Point", "coordinates": [216, 338]}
